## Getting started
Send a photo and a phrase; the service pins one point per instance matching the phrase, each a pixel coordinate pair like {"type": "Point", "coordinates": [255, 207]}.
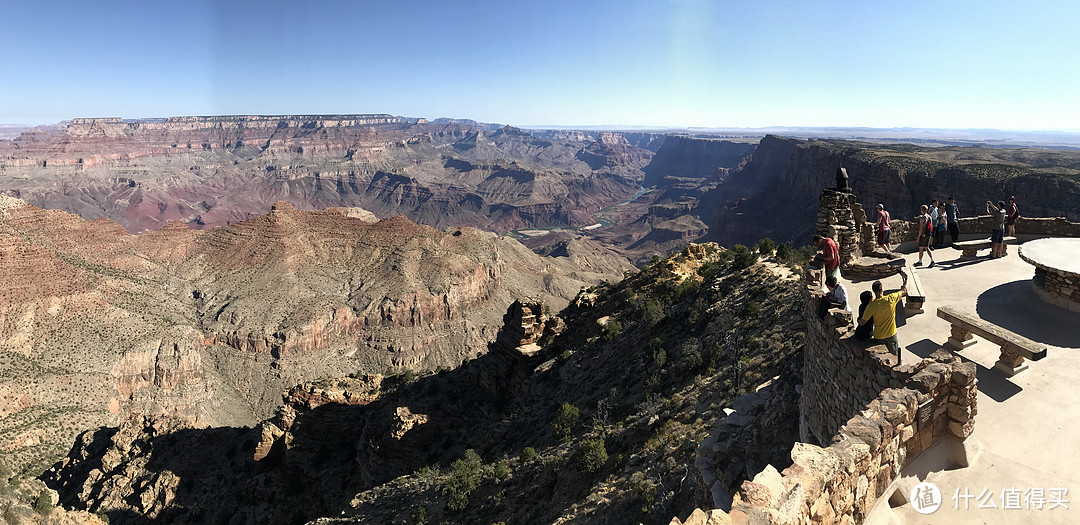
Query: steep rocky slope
{"type": "Point", "coordinates": [212, 171]}
{"type": "Point", "coordinates": [212, 325]}
{"type": "Point", "coordinates": [593, 416]}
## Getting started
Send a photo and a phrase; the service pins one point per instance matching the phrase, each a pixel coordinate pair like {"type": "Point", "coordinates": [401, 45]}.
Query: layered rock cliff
{"type": "Point", "coordinates": [212, 171]}
{"type": "Point", "coordinates": [210, 326]}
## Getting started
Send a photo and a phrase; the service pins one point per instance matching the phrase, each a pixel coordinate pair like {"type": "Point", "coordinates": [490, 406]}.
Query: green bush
{"type": "Point", "coordinates": [591, 456]}
{"type": "Point", "coordinates": [766, 246]}
{"type": "Point", "coordinates": [750, 309]}
{"type": "Point", "coordinates": [465, 478]}
{"type": "Point", "coordinates": [612, 330]}
{"type": "Point", "coordinates": [501, 471]}
{"type": "Point", "coordinates": [527, 454]}
{"type": "Point", "coordinates": [783, 253]}
{"type": "Point", "coordinates": [743, 257]}
{"type": "Point", "coordinates": [43, 503]}
{"type": "Point", "coordinates": [565, 420]}
{"type": "Point", "coordinates": [421, 517]}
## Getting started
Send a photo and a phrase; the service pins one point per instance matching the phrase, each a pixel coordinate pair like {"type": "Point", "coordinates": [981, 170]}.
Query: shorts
{"type": "Point", "coordinates": [1010, 221]}
{"type": "Point", "coordinates": [997, 237]}
{"type": "Point", "coordinates": [924, 241]}
{"type": "Point", "coordinates": [883, 237]}
{"type": "Point", "coordinates": [835, 272]}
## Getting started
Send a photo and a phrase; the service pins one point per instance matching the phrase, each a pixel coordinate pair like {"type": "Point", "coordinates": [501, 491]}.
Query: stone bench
{"type": "Point", "coordinates": [1014, 347]}
{"type": "Point", "coordinates": [915, 294]}
{"type": "Point", "coordinates": [971, 247]}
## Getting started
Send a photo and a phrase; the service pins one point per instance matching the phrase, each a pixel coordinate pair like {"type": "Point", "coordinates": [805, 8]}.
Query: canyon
{"type": "Point", "coordinates": [167, 280]}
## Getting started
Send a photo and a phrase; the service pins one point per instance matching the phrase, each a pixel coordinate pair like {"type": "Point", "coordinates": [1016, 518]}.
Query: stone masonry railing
{"type": "Point", "coordinates": [1037, 226]}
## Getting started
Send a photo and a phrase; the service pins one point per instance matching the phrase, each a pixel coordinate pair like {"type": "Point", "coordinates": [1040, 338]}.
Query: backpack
{"type": "Point", "coordinates": [929, 224]}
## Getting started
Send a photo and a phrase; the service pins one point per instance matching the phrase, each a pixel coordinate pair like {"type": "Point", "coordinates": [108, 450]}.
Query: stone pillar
{"type": "Point", "coordinates": [1010, 362]}
{"type": "Point", "coordinates": [959, 339]}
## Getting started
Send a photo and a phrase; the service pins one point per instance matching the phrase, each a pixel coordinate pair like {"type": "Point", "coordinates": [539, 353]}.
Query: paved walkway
{"type": "Point", "coordinates": [1027, 431]}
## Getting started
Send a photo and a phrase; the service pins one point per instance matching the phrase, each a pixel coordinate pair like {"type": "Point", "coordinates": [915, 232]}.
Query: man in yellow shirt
{"type": "Point", "coordinates": [882, 310]}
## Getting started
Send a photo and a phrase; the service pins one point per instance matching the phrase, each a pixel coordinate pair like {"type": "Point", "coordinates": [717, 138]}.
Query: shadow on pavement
{"type": "Point", "coordinates": [991, 382]}
{"type": "Point", "coordinates": [1015, 307]}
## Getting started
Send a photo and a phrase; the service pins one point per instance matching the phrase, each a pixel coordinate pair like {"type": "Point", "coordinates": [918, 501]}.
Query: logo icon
{"type": "Point", "coordinates": [925, 498]}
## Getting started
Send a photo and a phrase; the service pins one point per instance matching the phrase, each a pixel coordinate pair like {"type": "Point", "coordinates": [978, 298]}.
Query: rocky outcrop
{"type": "Point", "coordinates": [306, 397]}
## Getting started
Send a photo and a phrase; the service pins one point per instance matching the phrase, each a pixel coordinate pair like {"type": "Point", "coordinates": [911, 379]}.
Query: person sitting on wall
{"type": "Point", "coordinates": [882, 313]}
{"type": "Point", "coordinates": [830, 255]}
{"type": "Point", "coordinates": [836, 298]}
{"type": "Point", "coordinates": [864, 330]}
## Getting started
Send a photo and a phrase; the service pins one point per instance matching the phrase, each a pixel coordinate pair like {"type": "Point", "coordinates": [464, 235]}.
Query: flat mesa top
{"type": "Point", "coordinates": [1061, 254]}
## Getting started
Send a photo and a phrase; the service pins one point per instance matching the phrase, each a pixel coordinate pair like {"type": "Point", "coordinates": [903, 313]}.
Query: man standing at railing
{"type": "Point", "coordinates": [953, 214]}
{"type": "Point", "coordinates": [997, 236]}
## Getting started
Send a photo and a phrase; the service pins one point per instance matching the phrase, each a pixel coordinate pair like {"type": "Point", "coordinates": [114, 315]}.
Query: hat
{"type": "Point", "coordinates": [881, 206]}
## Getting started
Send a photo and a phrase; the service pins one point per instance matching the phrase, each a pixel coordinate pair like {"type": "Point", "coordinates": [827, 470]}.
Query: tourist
{"type": "Point", "coordinates": [954, 218]}
{"type": "Point", "coordinates": [1010, 223]}
{"type": "Point", "coordinates": [863, 331]}
{"type": "Point", "coordinates": [830, 254]}
{"type": "Point", "coordinates": [926, 226]}
{"type": "Point", "coordinates": [837, 296]}
{"type": "Point", "coordinates": [882, 313]}
{"type": "Point", "coordinates": [997, 237]}
{"type": "Point", "coordinates": [883, 230]}
{"type": "Point", "coordinates": [939, 229]}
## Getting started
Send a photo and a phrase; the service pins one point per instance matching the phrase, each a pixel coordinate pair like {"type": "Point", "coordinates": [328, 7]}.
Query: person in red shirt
{"type": "Point", "coordinates": [830, 254]}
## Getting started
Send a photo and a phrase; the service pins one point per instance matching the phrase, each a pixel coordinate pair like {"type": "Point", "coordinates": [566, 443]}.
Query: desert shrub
{"type": "Point", "coordinates": [565, 420]}
{"type": "Point", "coordinates": [783, 253]}
{"type": "Point", "coordinates": [612, 330]}
{"type": "Point", "coordinates": [749, 310]}
{"type": "Point", "coordinates": [43, 503]}
{"type": "Point", "coordinates": [465, 478]}
{"type": "Point", "coordinates": [743, 257]}
{"type": "Point", "coordinates": [501, 471]}
{"type": "Point", "coordinates": [591, 455]}
{"type": "Point", "coordinates": [766, 246]}
{"type": "Point", "coordinates": [652, 311]}
{"type": "Point", "coordinates": [527, 454]}
{"type": "Point", "coordinates": [421, 517]}
{"type": "Point", "coordinates": [685, 289]}
{"type": "Point", "coordinates": [691, 353]}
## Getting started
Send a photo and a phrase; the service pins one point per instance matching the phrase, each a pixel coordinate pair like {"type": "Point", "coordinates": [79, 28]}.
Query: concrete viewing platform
{"type": "Point", "coordinates": [1024, 464]}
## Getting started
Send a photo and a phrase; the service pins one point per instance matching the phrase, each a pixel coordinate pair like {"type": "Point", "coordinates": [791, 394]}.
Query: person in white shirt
{"type": "Point", "coordinates": [837, 296]}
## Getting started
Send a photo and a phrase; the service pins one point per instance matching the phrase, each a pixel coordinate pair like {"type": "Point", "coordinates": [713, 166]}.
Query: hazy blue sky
{"type": "Point", "coordinates": [939, 63]}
